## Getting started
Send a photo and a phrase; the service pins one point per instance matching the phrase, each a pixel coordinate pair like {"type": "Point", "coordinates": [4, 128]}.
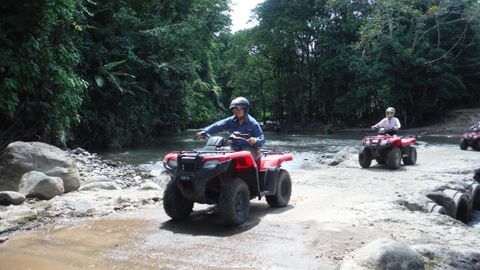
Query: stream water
{"type": "Point", "coordinates": [310, 150]}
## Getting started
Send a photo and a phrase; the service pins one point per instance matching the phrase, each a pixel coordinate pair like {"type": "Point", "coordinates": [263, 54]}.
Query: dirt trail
{"type": "Point", "coordinates": [333, 211]}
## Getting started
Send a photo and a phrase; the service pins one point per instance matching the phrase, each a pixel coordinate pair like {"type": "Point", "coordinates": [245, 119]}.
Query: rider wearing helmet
{"type": "Point", "coordinates": [389, 122]}
{"type": "Point", "coordinates": [240, 122]}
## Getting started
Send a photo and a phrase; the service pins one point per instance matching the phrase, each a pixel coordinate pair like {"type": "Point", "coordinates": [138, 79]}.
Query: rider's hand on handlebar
{"type": "Point", "coordinates": [252, 140]}
{"type": "Point", "coordinates": [199, 135]}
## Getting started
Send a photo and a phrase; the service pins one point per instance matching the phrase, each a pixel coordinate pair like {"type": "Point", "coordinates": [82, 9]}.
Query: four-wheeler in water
{"type": "Point", "coordinates": [471, 139]}
{"type": "Point", "coordinates": [230, 179]}
{"type": "Point", "coordinates": [387, 148]}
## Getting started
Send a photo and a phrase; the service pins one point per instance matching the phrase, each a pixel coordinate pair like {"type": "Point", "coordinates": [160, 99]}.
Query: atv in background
{"type": "Point", "coordinates": [218, 175]}
{"type": "Point", "coordinates": [471, 139]}
{"type": "Point", "coordinates": [387, 149]}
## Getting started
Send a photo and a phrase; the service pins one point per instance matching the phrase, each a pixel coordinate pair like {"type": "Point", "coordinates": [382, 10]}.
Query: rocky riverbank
{"type": "Point", "coordinates": [105, 187]}
{"type": "Point", "coordinates": [336, 210]}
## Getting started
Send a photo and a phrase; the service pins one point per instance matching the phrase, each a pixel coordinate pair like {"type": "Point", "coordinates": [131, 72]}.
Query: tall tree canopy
{"type": "Point", "coordinates": [111, 73]}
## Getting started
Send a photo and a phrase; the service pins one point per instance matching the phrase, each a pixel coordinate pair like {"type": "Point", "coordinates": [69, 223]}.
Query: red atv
{"type": "Point", "coordinates": [471, 139]}
{"type": "Point", "coordinates": [387, 148]}
{"type": "Point", "coordinates": [218, 175]}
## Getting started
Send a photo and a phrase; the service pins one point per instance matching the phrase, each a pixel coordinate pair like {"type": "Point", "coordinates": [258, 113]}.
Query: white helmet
{"type": "Point", "coordinates": [390, 110]}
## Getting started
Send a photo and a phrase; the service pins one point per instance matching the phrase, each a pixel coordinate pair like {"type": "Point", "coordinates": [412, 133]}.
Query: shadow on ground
{"type": "Point", "coordinates": [208, 222]}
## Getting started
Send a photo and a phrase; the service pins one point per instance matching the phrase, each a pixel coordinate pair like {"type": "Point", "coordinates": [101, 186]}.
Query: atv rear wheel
{"type": "Point", "coordinates": [476, 145]}
{"type": "Point", "coordinates": [463, 144]}
{"type": "Point", "coordinates": [365, 158]}
{"type": "Point", "coordinates": [234, 203]}
{"type": "Point", "coordinates": [394, 158]}
{"type": "Point", "coordinates": [283, 192]}
{"type": "Point", "coordinates": [411, 158]}
{"type": "Point", "coordinates": [175, 205]}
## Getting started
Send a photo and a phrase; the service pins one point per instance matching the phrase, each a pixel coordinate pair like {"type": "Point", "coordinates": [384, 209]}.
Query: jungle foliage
{"type": "Point", "coordinates": [339, 61]}
{"type": "Point", "coordinates": [114, 72]}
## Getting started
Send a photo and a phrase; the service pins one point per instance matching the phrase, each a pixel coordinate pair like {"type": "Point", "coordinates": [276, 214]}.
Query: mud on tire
{"type": "Point", "coordinates": [365, 158]}
{"type": "Point", "coordinates": [283, 192]}
{"type": "Point", "coordinates": [234, 202]}
{"type": "Point", "coordinates": [411, 158]}
{"type": "Point", "coordinates": [175, 205]}
{"type": "Point", "coordinates": [394, 158]}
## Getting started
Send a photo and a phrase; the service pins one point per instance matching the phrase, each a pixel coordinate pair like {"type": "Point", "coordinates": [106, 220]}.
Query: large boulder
{"type": "Point", "coordinates": [39, 185]}
{"type": "Point", "coordinates": [385, 254]}
{"type": "Point", "coordinates": [11, 197]}
{"type": "Point", "coordinates": [23, 157]}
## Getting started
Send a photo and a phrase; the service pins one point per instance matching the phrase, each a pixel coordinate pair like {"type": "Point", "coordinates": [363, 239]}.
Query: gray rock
{"type": "Point", "coordinates": [149, 186]}
{"type": "Point", "coordinates": [445, 258]}
{"type": "Point", "coordinates": [39, 185]}
{"type": "Point", "coordinates": [444, 200]}
{"type": "Point", "coordinates": [11, 197]}
{"type": "Point", "coordinates": [99, 185]}
{"type": "Point", "coordinates": [339, 157]}
{"type": "Point", "coordinates": [79, 151]}
{"type": "Point", "coordinates": [385, 254]}
{"type": "Point", "coordinates": [23, 157]}
{"type": "Point", "coordinates": [98, 178]}
{"type": "Point", "coordinates": [155, 173]}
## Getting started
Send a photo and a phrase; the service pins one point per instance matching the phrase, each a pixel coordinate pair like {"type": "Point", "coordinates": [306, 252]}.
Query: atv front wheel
{"type": "Point", "coordinates": [234, 202]}
{"type": "Point", "coordinates": [463, 144]}
{"type": "Point", "coordinates": [394, 158]}
{"type": "Point", "coordinates": [175, 205]}
{"type": "Point", "coordinates": [411, 158]}
{"type": "Point", "coordinates": [283, 192]}
{"type": "Point", "coordinates": [365, 158]}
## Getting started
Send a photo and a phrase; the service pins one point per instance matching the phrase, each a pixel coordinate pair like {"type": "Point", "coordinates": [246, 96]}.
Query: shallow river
{"type": "Point", "coordinates": [334, 211]}
{"type": "Point", "coordinates": [310, 150]}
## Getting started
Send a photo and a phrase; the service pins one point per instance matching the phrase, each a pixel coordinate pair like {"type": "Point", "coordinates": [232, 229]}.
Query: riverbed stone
{"type": "Point", "coordinates": [385, 253]}
{"type": "Point", "coordinates": [98, 178]}
{"type": "Point", "coordinates": [23, 157]}
{"type": "Point", "coordinates": [39, 185]}
{"type": "Point", "coordinates": [99, 185]}
{"type": "Point", "coordinates": [149, 186]}
{"type": "Point", "coordinates": [339, 157]}
{"type": "Point", "coordinates": [11, 197]}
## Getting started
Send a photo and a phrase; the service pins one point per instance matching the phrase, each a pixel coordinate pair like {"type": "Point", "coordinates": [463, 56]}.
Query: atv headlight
{"type": "Point", "coordinates": [383, 142]}
{"type": "Point", "coordinates": [210, 164]}
{"type": "Point", "coordinates": [366, 142]}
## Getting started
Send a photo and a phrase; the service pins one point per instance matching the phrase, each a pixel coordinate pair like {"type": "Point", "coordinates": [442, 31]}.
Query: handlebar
{"type": "Point", "coordinates": [232, 136]}
{"type": "Point", "coordinates": [238, 136]}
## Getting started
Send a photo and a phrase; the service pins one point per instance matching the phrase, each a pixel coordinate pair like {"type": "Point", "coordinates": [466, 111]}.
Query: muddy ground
{"type": "Point", "coordinates": [334, 210]}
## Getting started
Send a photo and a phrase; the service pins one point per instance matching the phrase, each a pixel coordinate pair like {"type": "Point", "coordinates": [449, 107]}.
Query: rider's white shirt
{"type": "Point", "coordinates": [389, 123]}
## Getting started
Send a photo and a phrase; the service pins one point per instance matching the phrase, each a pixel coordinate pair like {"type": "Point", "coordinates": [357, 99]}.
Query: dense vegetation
{"type": "Point", "coordinates": [113, 72]}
